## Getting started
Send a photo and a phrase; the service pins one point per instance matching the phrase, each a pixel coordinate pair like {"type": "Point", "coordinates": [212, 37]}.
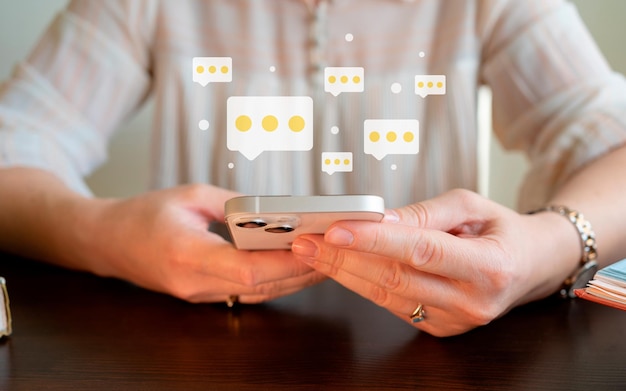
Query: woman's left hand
{"type": "Point", "coordinates": [466, 259]}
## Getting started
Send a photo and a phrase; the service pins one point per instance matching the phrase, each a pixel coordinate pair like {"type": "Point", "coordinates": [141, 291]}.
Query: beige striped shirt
{"type": "Point", "coordinates": [554, 95]}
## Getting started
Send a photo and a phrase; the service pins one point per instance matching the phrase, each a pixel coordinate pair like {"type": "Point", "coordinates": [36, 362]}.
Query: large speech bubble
{"type": "Point", "coordinates": [384, 137]}
{"type": "Point", "coordinates": [333, 162]}
{"type": "Point", "coordinates": [269, 123]}
{"type": "Point", "coordinates": [430, 85]}
{"type": "Point", "coordinates": [212, 70]}
{"type": "Point", "coordinates": [344, 79]}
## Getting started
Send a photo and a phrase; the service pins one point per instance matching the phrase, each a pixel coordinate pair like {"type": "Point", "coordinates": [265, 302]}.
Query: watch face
{"type": "Point", "coordinates": [582, 277]}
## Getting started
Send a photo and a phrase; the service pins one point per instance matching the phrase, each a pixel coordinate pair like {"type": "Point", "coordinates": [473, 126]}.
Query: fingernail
{"type": "Point", "coordinates": [339, 237]}
{"type": "Point", "coordinates": [304, 248]}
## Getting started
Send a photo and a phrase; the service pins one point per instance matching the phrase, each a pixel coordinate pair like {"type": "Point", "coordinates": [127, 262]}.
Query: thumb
{"type": "Point", "coordinates": [444, 212]}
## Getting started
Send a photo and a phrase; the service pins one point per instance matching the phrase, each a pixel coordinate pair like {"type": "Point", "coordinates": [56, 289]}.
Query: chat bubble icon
{"type": "Point", "coordinates": [430, 85]}
{"type": "Point", "coordinates": [333, 162]}
{"type": "Point", "coordinates": [212, 70]}
{"type": "Point", "coordinates": [384, 137]}
{"type": "Point", "coordinates": [269, 123]}
{"type": "Point", "coordinates": [343, 79]}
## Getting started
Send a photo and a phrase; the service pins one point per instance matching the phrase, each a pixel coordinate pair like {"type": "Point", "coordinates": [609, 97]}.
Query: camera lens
{"type": "Point", "coordinates": [281, 229]}
{"type": "Point", "coordinates": [252, 224]}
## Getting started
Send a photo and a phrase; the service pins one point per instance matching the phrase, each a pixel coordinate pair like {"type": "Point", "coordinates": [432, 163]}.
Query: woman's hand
{"type": "Point", "coordinates": [160, 241]}
{"type": "Point", "coordinates": [466, 259]}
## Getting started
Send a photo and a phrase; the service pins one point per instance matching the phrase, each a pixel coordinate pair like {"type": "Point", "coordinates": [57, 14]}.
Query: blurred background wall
{"type": "Point", "coordinates": [22, 22]}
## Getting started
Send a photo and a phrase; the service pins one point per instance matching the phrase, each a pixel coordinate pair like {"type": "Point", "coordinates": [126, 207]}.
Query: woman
{"type": "Point", "coordinates": [444, 260]}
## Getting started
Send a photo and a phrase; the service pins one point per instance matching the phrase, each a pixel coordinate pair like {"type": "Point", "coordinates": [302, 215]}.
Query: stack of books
{"type": "Point", "coordinates": [607, 287]}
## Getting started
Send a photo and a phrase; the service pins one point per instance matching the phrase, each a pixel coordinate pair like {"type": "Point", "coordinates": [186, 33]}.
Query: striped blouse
{"type": "Point", "coordinates": [554, 96]}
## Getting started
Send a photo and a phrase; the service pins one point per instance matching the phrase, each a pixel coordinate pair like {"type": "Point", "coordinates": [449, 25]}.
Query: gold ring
{"type": "Point", "coordinates": [232, 300]}
{"type": "Point", "coordinates": [419, 314]}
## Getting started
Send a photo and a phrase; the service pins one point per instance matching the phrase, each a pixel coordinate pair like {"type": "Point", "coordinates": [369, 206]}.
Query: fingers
{"type": "Point", "coordinates": [208, 200]}
{"type": "Point", "coordinates": [399, 289]}
{"type": "Point", "coordinates": [213, 289]}
{"type": "Point", "coordinates": [210, 269]}
{"type": "Point", "coordinates": [445, 212]}
{"type": "Point", "coordinates": [252, 268]}
{"type": "Point", "coordinates": [426, 250]}
{"type": "Point", "coordinates": [437, 236]}
{"type": "Point", "coordinates": [386, 282]}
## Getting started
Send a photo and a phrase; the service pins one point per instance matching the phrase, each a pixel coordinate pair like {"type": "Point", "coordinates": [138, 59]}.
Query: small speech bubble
{"type": "Point", "coordinates": [384, 137]}
{"type": "Point", "coordinates": [430, 85]}
{"type": "Point", "coordinates": [333, 162]}
{"type": "Point", "coordinates": [269, 123]}
{"type": "Point", "coordinates": [212, 70]}
{"type": "Point", "coordinates": [344, 79]}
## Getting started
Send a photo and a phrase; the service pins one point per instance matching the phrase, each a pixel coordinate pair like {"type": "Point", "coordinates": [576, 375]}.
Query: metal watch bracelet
{"type": "Point", "coordinates": [588, 265]}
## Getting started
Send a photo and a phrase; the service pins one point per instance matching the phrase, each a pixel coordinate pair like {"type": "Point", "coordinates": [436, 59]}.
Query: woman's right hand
{"type": "Point", "coordinates": [160, 241]}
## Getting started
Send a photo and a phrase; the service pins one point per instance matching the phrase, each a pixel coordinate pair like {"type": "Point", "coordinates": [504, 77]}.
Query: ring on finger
{"type": "Point", "coordinates": [418, 314]}
{"type": "Point", "coordinates": [232, 300]}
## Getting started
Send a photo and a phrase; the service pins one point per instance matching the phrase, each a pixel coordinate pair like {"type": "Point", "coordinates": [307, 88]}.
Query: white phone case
{"type": "Point", "coordinates": [273, 222]}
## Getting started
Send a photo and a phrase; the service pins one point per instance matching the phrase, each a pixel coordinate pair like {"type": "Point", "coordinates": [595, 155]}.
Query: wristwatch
{"type": "Point", "coordinates": [579, 279]}
{"type": "Point", "coordinates": [588, 265]}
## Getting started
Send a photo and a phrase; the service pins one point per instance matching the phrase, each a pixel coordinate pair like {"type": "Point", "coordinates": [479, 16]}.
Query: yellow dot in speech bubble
{"type": "Point", "coordinates": [439, 84]}
{"type": "Point", "coordinates": [199, 69]}
{"type": "Point", "coordinates": [296, 123]}
{"type": "Point", "coordinates": [356, 80]}
{"type": "Point", "coordinates": [391, 136]}
{"type": "Point", "coordinates": [332, 79]}
{"type": "Point", "coordinates": [243, 123]}
{"type": "Point", "coordinates": [269, 123]}
{"type": "Point", "coordinates": [420, 84]}
{"type": "Point", "coordinates": [374, 136]}
{"type": "Point", "coordinates": [337, 161]}
{"type": "Point", "coordinates": [327, 161]}
{"type": "Point", "coordinates": [408, 137]}
{"type": "Point", "coordinates": [224, 69]}
{"type": "Point", "coordinates": [212, 69]}
{"type": "Point", "coordinates": [344, 79]}
{"type": "Point", "coordinates": [346, 162]}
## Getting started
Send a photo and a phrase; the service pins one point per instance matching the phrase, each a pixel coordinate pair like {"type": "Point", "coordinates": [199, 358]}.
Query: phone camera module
{"type": "Point", "coordinates": [280, 229]}
{"type": "Point", "coordinates": [252, 224]}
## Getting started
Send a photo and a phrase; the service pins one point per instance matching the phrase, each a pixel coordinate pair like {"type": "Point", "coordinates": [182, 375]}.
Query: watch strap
{"type": "Point", "coordinates": [588, 243]}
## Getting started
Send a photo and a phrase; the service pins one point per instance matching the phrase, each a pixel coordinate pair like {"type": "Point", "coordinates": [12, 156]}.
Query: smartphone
{"type": "Point", "coordinates": [273, 222]}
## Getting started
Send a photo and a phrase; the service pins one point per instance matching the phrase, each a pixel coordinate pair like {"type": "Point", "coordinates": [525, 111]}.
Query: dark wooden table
{"type": "Point", "coordinates": [75, 331]}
